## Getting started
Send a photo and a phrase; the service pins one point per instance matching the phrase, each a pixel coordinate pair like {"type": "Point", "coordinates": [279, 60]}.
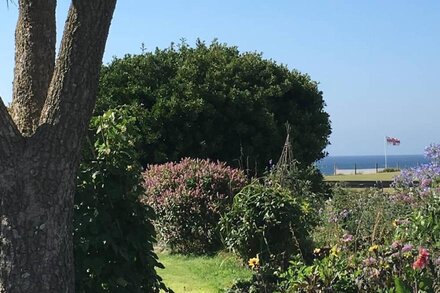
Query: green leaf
{"type": "Point", "coordinates": [400, 286]}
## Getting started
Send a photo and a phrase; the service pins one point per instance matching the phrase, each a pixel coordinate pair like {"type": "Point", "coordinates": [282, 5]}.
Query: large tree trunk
{"type": "Point", "coordinates": [39, 156]}
{"type": "Point", "coordinates": [34, 61]}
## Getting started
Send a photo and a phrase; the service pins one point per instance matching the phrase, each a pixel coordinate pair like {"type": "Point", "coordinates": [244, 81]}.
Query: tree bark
{"type": "Point", "coordinates": [37, 172]}
{"type": "Point", "coordinates": [35, 39]}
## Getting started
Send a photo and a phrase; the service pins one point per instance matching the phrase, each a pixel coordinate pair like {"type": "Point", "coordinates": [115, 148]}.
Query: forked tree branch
{"type": "Point", "coordinates": [72, 93]}
{"type": "Point", "coordinates": [35, 40]}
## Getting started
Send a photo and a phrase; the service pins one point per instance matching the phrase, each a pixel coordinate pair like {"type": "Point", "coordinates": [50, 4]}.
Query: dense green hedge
{"type": "Point", "coordinates": [211, 101]}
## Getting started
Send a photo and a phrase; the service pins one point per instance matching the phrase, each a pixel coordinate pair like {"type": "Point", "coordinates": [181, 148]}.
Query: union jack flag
{"type": "Point", "coordinates": [393, 140]}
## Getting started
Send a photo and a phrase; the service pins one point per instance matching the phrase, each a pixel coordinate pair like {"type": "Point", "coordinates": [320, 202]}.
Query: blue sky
{"type": "Point", "coordinates": [377, 62]}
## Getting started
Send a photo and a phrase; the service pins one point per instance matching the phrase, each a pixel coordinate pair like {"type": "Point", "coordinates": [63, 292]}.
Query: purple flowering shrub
{"type": "Point", "coordinates": [189, 198]}
{"type": "Point", "coordinates": [426, 174]}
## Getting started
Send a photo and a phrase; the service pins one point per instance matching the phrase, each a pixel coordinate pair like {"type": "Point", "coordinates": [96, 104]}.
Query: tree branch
{"type": "Point", "coordinates": [72, 93]}
{"type": "Point", "coordinates": [35, 40]}
{"type": "Point", "coordinates": [9, 134]}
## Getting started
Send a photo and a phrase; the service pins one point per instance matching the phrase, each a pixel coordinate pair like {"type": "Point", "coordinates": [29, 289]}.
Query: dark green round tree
{"type": "Point", "coordinates": [211, 101]}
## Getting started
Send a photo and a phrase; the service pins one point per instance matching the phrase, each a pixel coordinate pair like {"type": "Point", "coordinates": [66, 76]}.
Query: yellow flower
{"type": "Point", "coordinates": [373, 248]}
{"type": "Point", "coordinates": [317, 250]}
{"type": "Point", "coordinates": [335, 250]}
{"type": "Point", "coordinates": [254, 262]}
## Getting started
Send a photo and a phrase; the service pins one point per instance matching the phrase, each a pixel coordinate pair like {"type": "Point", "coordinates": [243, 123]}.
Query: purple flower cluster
{"type": "Point", "coordinates": [403, 197]}
{"type": "Point", "coordinates": [432, 152]}
{"type": "Point", "coordinates": [424, 173]}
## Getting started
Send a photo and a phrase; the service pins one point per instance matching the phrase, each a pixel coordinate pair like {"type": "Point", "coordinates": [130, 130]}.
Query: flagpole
{"type": "Point", "coordinates": [385, 148]}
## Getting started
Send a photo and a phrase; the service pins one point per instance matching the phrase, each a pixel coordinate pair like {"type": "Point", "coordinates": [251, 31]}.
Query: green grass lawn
{"type": "Point", "coordinates": [201, 274]}
{"type": "Point", "coordinates": [363, 177]}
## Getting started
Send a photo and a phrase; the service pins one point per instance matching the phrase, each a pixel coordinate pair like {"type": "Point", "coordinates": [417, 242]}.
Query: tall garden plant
{"type": "Point", "coordinates": [113, 232]}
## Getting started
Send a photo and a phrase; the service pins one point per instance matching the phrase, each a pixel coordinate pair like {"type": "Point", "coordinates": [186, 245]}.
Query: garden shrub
{"type": "Point", "coordinates": [367, 216]}
{"type": "Point", "coordinates": [424, 224]}
{"type": "Point", "coordinates": [272, 218]}
{"type": "Point", "coordinates": [329, 274]}
{"type": "Point", "coordinates": [189, 197]}
{"type": "Point", "coordinates": [213, 101]}
{"type": "Point", "coordinates": [268, 221]}
{"type": "Point", "coordinates": [113, 232]}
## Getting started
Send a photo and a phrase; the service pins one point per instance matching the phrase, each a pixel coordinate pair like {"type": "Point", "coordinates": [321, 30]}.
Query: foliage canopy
{"type": "Point", "coordinates": [211, 101]}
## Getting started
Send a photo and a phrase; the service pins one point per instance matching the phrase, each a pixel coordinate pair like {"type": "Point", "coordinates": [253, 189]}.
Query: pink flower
{"type": "Point", "coordinates": [422, 259]}
{"type": "Point", "coordinates": [347, 237]}
{"type": "Point", "coordinates": [396, 245]}
{"type": "Point", "coordinates": [425, 183]}
{"type": "Point", "coordinates": [369, 261]}
{"type": "Point", "coordinates": [418, 264]}
{"type": "Point", "coordinates": [423, 252]}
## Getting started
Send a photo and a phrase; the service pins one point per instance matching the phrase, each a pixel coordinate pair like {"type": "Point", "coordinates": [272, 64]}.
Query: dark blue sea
{"type": "Point", "coordinates": [328, 164]}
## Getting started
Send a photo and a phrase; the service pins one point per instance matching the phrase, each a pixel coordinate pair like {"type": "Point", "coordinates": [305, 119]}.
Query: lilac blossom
{"type": "Point", "coordinates": [432, 152]}
{"type": "Point", "coordinates": [407, 248]}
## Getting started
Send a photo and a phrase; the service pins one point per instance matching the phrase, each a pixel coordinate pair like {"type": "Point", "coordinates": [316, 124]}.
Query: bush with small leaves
{"type": "Point", "coordinates": [189, 198]}
{"type": "Point", "coordinates": [269, 221]}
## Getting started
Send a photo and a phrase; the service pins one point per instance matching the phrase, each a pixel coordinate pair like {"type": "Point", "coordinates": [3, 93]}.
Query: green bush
{"type": "Point", "coordinates": [423, 225]}
{"type": "Point", "coordinates": [189, 198]}
{"type": "Point", "coordinates": [113, 232]}
{"type": "Point", "coordinates": [329, 274]}
{"type": "Point", "coordinates": [268, 221]}
{"type": "Point", "coordinates": [213, 101]}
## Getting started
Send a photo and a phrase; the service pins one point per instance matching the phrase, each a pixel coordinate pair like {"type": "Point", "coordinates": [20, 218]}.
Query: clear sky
{"type": "Point", "coordinates": [377, 61]}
